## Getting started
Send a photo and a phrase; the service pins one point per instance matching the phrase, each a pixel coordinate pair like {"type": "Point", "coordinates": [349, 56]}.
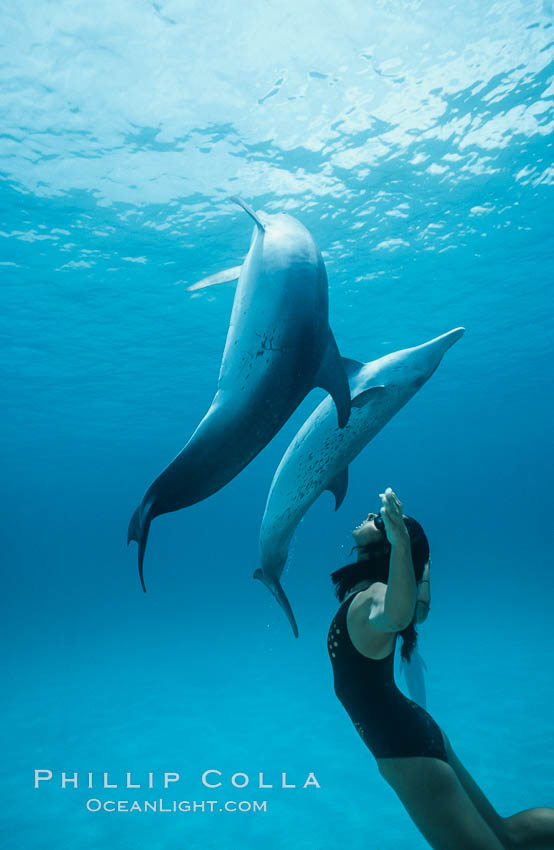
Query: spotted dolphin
{"type": "Point", "coordinates": [317, 459]}
{"type": "Point", "coordinates": [279, 347]}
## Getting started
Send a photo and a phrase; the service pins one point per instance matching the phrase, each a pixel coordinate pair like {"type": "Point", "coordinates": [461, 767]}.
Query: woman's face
{"type": "Point", "coordinates": [367, 533]}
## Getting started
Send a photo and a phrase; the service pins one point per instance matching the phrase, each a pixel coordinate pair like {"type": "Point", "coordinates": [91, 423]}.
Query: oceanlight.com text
{"type": "Point", "coordinates": [176, 806]}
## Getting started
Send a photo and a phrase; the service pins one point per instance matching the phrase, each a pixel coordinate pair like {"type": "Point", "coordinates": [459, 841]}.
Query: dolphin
{"type": "Point", "coordinates": [317, 458]}
{"type": "Point", "coordinates": [279, 347]}
{"type": "Point", "coordinates": [414, 676]}
{"type": "Point", "coordinates": [225, 276]}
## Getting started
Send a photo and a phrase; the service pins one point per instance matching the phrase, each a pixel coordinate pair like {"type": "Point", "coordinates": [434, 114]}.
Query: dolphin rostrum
{"type": "Point", "coordinates": [279, 347]}
{"type": "Point", "coordinates": [317, 458]}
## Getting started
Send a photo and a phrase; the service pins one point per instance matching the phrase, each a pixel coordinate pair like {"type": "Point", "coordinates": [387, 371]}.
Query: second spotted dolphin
{"type": "Point", "coordinates": [317, 458]}
{"type": "Point", "coordinates": [279, 347]}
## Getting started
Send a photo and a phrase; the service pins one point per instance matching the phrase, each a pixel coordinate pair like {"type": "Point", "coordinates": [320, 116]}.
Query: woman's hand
{"type": "Point", "coordinates": [395, 528]}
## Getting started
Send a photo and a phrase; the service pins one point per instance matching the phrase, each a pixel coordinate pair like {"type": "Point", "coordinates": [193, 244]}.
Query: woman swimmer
{"type": "Point", "coordinates": [385, 593]}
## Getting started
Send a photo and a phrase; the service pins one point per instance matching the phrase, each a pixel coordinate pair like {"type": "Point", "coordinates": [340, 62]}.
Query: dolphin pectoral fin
{"type": "Point", "coordinates": [332, 377]}
{"type": "Point", "coordinates": [248, 209]}
{"type": "Point", "coordinates": [338, 487]}
{"type": "Point", "coordinates": [139, 527]}
{"type": "Point", "coordinates": [362, 398]}
{"type": "Point", "coordinates": [280, 596]}
{"type": "Point", "coordinates": [213, 279]}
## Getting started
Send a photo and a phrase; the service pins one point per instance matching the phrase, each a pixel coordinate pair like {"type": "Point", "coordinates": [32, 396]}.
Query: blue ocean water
{"type": "Point", "coordinates": [414, 139]}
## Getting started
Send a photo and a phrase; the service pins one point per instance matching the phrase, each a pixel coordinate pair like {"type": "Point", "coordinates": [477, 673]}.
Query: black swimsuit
{"type": "Point", "coordinates": [390, 724]}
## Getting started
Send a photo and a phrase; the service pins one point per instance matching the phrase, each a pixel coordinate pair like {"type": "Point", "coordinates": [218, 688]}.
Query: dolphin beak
{"type": "Point", "coordinates": [430, 353]}
{"type": "Point", "coordinates": [447, 340]}
{"type": "Point", "coordinates": [441, 344]}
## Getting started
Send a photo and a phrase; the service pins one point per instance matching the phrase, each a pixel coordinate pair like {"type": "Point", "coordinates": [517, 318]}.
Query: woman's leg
{"type": "Point", "coordinates": [533, 828]}
{"type": "Point", "coordinates": [437, 803]}
{"type": "Point", "coordinates": [497, 823]}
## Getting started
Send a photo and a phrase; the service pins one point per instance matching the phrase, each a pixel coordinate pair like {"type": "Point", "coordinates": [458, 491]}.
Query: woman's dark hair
{"type": "Point", "coordinates": [376, 568]}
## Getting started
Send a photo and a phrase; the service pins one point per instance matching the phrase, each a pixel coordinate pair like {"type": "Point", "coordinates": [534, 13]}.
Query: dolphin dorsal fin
{"type": "Point", "coordinates": [360, 399]}
{"type": "Point", "coordinates": [332, 377]}
{"type": "Point", "coordinates": [351, 366]}
{"type": "Point", "coordinates": [247, 208]}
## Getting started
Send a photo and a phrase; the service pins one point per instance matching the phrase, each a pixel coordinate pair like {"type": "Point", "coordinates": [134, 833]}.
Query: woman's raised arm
{"type": "Point", "coordinates": [400, 598]}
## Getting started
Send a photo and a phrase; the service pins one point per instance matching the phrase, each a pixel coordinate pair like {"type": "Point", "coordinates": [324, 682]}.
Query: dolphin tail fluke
{"type": "Point", "coordinates": [138, 530]}
{"type": "Point", "coordinates": [280, 596]}
{"type": "Point", "coordinates": [415, 678]}
{"type": "Point", "coordinates": [332, 377]}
